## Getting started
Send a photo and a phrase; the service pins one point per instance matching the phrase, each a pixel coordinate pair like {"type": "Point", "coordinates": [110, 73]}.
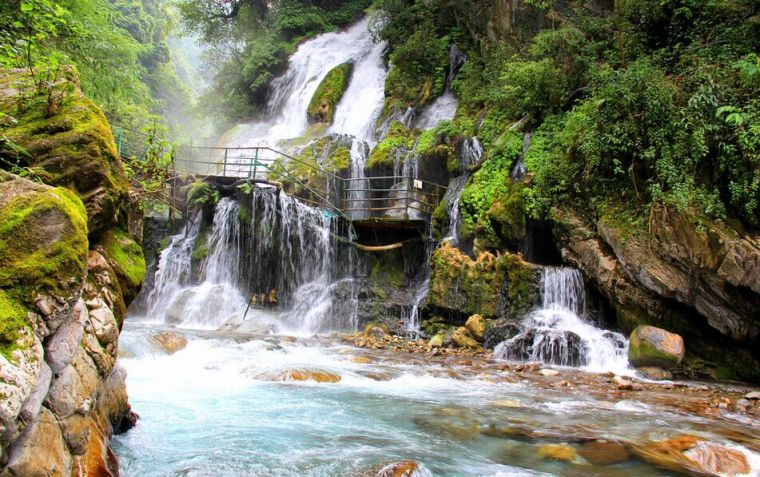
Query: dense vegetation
{"type": "Point", "coordinates": [633, 102]}
{"type": "Point", "coordinates": [118, 47]}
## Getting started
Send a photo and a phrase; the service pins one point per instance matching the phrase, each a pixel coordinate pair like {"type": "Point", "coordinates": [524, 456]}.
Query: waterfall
{"type": "Point", "coordinates": [519, 170]}
{"type": "Point", "coordinates": [445, 106]}
{"type": "Point", "coordinates": [213, 296]}
{"type": "Point", "coordinates": [470, 154]}
{"type": "Point", "coordinates": [559, 334]}
{"type": "Point", "coordinates": [451, 198]}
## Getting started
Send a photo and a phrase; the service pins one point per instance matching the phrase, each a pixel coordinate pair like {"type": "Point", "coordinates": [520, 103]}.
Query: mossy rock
{"type": "Point", "coordinates": [507, 214]}
{"type": "Point", "coordinates": [329, 92]}
{"type": "Point", "coordinates": [399, 136]}
{"type": "Point", "coordinates": [305, 175]}
{"type": "Point", "coordinates": [491, 285]}
{"type": "Point", "coordinates": [13, 319]}
{"type": "Point", "coordinates": [126, 258]}
{"type": "Point", "coordinates": [652, 346]}
{"type": "Point", "coordinates": [73, 148]}
{"type": "Point", "coordinates": [43, 239]}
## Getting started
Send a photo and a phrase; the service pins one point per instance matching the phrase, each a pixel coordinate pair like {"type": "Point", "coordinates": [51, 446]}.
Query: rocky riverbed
{"type": "Point", "coordinates": [334, 402]}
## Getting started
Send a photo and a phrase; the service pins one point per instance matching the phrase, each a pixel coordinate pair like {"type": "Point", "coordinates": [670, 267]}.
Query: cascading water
{"type": "Point", "coordinates": [558, 334]}
{"type": "Point", "coordinates": [519, 170]}
{"type": "Point", "coordinates": [355, 114]}
{"type": "Point", "coordinates": [213, 297]}
{"type": "Point", "coordinates": [469, 155]}
{"type": "Point", "coordinates": [445, 106]}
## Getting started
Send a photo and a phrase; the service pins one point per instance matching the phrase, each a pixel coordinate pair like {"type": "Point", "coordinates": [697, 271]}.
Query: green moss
{"type": "Point", "coordinates": [439, 218]}
{"type": "Point", "coordinates": [199, 253]}
{"type": "Point", "coordinates": [13, 319]}
{"type": "Point", "coordinates": [126, 257]}
{"type": "Point", "coordinates": [491, 184]}
{"type": "Point", "coordinates": [469, 286]}
{"type": "Point", "coordinates": [201, 193]}
{"type": "Point", "coordinates": [74, 148]}
{"type": "Point", "coordinates": [244, 215]}
{"type": "Point", "coordinates": [43, 241]}
{"type": "Point", "coordinates": [322, 105]}
{"type": "Point", "coordinates": [507, 213]}
{"type": "Point", "coordinates": [398, 136]}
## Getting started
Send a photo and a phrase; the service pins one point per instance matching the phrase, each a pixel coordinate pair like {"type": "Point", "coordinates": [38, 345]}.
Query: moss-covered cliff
{"type": "Point", "coordinates": [67, 271]}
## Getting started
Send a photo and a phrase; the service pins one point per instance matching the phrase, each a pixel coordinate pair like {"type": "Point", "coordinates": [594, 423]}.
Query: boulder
{"type": "Point", "coordinates": [654, 373]}
{"type": "Point", "coordinates": [476, 325]}
{"type": "Point", "coordinates": [604, 452]}
{"type": "Point", "coordinates": [462, 339]}
{"type": "Point", "coordinates": [74, 148]}
{"type": "Point", "coordinates": [499, 331]}
{"type": "Point", "coordinates": [693, 455]}
{"type": "Point", "coordinates": [437, 340]}
{"type": "Point", "coordinates": [168, 341]}
{"type": "Point", "coordinates": [405, 468]}
{"type": "Point", "coordinates": [327, 96]}
{"type": "Point", "coordinates": [491, 286]}
{"type": "Point", "coordinates": [652, 346]}
{"type": "Point", "coordinates": [561, 452]}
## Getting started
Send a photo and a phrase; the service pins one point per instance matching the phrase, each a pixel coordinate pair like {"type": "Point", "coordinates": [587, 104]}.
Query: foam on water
{"type": "Point", "coordinates": [558, 333]}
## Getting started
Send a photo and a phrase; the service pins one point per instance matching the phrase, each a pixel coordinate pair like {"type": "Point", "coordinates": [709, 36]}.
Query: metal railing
{"type": "Point", "coordinates": [376, 197]}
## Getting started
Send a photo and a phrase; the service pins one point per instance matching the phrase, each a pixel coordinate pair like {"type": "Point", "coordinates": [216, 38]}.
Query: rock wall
{"type": "Point", "coordinates": [70, 263]}
{"type": "Point", "coordinates": [695, 277]}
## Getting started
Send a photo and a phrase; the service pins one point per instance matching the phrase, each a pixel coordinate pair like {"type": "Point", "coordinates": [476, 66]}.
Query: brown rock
{"type": "Point", "coordinates": [718, 459]}
{"type": "Point", "coordinates": [476, 325]}
{"type": "Point", "coordinates": [561, 452]}
{"type": "Point", "coordinates": [462, 339]}
{"type": "Point", "coordinates": [318, 375]}
{"type": "Point", "coordinates": [655, 373]}
{"type": "Point", "coordinates": [652, 346]}
{"type": "Point", "coordinates": [169, 342]}
{"type": "Point", "coordinates": [405, 468]}
{"type": "Point", "coordinates": [603, 452]}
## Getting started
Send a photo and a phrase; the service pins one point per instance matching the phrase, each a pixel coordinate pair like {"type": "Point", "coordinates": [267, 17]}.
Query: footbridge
{"type": "Point", "coordinates": [376, 202]}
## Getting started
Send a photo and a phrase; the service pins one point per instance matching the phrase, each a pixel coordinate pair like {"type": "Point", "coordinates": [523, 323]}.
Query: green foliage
{"type": "Point", "coordinates": [202, 193]}
{"type": "Point", "coordinates": [398, 136]}
{"type": "Point", "coordinates": [117, 46]}
{"type": "Point", "coordinates": [491, 184]}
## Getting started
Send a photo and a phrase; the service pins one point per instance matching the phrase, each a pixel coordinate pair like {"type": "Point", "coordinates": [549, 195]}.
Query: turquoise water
{"type": "Point", "coordinates": [211, 409]}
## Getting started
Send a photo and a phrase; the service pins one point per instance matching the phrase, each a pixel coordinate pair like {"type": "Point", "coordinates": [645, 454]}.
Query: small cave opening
{"type": "Point", "coordinates": [539, 246]}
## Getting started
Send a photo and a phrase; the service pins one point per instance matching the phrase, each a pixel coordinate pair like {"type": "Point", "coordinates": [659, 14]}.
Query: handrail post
{"type": "Point", "coordinates": [224, 173]}
{"type": "Point", "coordinates": [255, 162]}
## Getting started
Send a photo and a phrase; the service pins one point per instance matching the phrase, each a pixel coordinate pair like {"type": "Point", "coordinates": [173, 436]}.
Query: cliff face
{"type": "Point", "coordinates": [69, 264]}
{"type": "Point", "coordinates": [695, 277]}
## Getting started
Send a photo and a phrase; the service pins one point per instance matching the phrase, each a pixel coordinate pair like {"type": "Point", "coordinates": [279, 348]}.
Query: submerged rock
{"type": "Point", "coordinates": [318, 375]}
{"type": "Point", "coordinates": [405, 468]}
{"type": "Point", "coordinates": [652, 346]}
{"type": "Point", "coordinates": [562, 452]}
{"type": "Point", "coordinates": [604, 452]}
{"type": "Point", "coordinates": [655, 373]}
{"type": "Point", "coordinates": [694, 455]}
{"type": "Point", "coordinates": [169, 342]}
